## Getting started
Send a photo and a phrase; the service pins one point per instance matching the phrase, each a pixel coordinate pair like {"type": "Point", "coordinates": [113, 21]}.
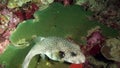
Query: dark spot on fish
{"type": "Point", "coordinates": [61, 54]}
{"type": "Point", "coordinates": [73, 54]}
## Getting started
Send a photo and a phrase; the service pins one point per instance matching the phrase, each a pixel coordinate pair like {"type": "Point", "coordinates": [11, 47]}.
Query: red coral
{"type": "Point", "coordinates": [95, 38]}
{"type": "Point", "coordinates": [29, 13]}
{"type": "Point", "coordinates": [34, 7]}
{"type": "Point", "coordinates": [26, 12]}
{"type": "Point", "coordinates": [94, 42]}
{"type": "Point", "coordinates": [19, 14]}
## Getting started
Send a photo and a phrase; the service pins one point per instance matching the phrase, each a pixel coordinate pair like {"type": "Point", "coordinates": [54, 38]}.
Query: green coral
{"type": "Point", "coordinates": [13, 57]}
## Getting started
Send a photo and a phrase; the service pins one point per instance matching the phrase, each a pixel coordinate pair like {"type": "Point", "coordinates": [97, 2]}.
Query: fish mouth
{"type": "Point", "coordinates": [77, 61]}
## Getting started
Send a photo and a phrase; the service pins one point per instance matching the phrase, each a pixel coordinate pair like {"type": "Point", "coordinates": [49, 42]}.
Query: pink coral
{"type": "Point", "coordinates": [65, 2]}
{"type": "Point", "coordinates": [94, 42]}
{"type": "Point", "coordinates": [96, 38]}
{"type": "Point", "coordinates": [3, 46]}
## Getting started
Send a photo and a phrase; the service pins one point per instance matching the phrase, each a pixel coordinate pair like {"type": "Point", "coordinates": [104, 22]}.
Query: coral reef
{"type": "Point", "coordinates": [58, 17]}
{"type": "Point", "coordinates": [105, 11]}
{"type": "Point", "coordinates": [10, 18]}
{"type": "Point", "coordinates": [97, 41]}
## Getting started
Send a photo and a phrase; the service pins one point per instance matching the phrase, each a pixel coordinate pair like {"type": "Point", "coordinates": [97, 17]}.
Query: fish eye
{"type": "Point", "coordinates": [61, 54]}
{"type": "Point", "coordinates": [73, 54]}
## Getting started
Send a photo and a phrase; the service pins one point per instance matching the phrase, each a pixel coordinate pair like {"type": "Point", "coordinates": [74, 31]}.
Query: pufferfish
{"type": "Point", "coordinates": [56, 49]}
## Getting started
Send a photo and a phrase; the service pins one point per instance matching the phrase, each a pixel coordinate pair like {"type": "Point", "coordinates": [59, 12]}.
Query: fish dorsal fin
{"type": "Point", "coordinates": [38, 39]}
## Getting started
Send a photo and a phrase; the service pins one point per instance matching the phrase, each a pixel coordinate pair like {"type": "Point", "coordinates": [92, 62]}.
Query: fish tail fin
{"type": "Point", "coordinates": [28, 58]}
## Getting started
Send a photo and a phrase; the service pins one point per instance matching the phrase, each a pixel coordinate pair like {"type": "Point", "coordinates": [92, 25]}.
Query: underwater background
{"type": "Point", "coordinates": [92, 24]}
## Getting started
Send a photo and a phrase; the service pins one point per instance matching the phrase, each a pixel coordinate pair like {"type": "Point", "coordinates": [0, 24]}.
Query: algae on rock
{"type": "Point", "coordinates": [113, 49]}
{"type": "Point", "coordinates": [19, 3]}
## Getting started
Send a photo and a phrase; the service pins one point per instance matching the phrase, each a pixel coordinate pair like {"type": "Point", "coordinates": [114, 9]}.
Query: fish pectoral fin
{"type": "Point", "coordinates": [42, 56]}
{"type": "Point", "coordinates": [61, 61]}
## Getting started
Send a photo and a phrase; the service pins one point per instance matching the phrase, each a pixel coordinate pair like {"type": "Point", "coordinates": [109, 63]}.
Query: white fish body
{"type": "Point", "coordinates": [57, 49]}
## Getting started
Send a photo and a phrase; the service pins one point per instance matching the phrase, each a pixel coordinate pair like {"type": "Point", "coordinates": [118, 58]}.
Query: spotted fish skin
{"type": "Point", "coordinates": [55, 48]}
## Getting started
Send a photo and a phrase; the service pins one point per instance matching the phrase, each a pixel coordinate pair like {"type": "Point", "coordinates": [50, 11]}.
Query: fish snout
{"type": "Point", "coordinates": [80, 60]}
{"type": "Point", "coordinates": [77, 60]}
